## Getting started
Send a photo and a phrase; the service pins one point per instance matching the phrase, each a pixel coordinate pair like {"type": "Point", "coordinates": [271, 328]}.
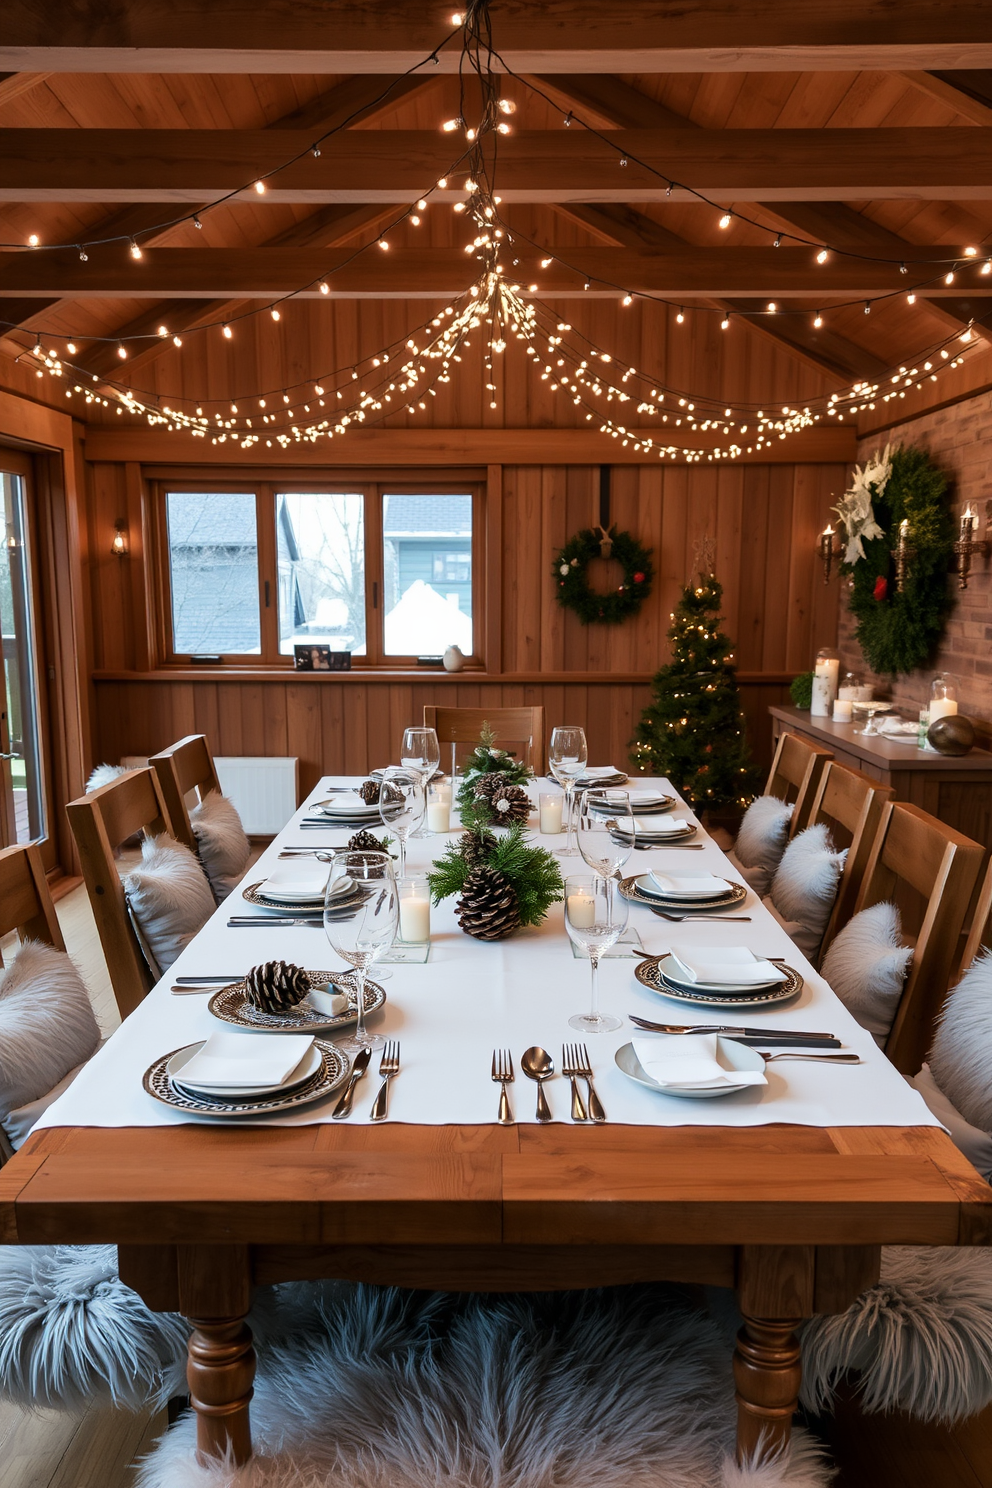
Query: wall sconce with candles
{"type": "Point", "coordinates": [830, 547]}
{"type": "Point", "coordinates": [967, 544]}
{"type": "Point", "coordinates": [903, 553]}
{"type": "Point", "coordinates": [120, 546]}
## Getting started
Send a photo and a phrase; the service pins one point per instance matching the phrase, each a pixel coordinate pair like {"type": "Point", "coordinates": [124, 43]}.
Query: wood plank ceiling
{"type": "Point", "coordinates": [794, 129]}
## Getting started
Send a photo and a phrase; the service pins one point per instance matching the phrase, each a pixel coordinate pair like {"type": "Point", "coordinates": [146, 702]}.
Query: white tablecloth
{"type": "Point", "coordinates": [470, 997]}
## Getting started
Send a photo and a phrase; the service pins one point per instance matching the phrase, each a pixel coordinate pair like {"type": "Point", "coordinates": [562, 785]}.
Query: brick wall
{"type": "Point", "coordinates": [960, 440]}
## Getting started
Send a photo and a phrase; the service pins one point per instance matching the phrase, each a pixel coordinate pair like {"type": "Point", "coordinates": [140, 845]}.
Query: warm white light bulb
{"type": "Point", "coordinates": [260, 187]}
{"type": "Point", "coordinates": [949, 278]}
{"type": "Point", "coordinates": [772, 307]}
{"type": "Point", "coordinates": [971, 252]}
{"type": "Point", "coordinates": [502, 129]}
{"type": "Point", "coordinates": [726, 219]}
{"type": "Point", "coordinates": [627, 300]}
{"type": "Point", "coordinates": [275, 315]}
{"type": "Point", "coordinates": [71, 348]}
{"type": "Point", "coordinates": [33, 240]}
{"type": "Point", "coordinates": [818, 321]}
{"type": "Point", "coordinates": [822, 256]}
{"type": "Point", "coordinates": [122, 351]}
{"type": "Point", "coordinates": [324, 287]}
{"type": "Point", "coordinates": [383, 244]}
{"type": "Point", "coordinates": [177, 340]}
{"type": "Point", "coordinates": [227, 332]}
{"type": "Point", "coordinates": [135, 250]}
{"type": "Point", "coordinates": [458, 19]}
{"type": "Point", "coordinates": [421, 205]}
{"type": "Point", "coordinates": [724, 323]}
{"type": "Point", "coordinates": [450, 125]}
{"type": "Point", "coordinates": [911, 299]}
{"type": "Point", "coordinates": [680, 318]}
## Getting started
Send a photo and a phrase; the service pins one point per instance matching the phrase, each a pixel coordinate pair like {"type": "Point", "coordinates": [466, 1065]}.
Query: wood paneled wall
{"type": "Point", "coordinates": [763, 521]}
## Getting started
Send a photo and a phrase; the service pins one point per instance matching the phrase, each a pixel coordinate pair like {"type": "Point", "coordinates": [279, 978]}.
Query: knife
{"type": "Point", "coordinates": [361, 1064]}
{"type": "Point", "coordinates": [737, 1031]}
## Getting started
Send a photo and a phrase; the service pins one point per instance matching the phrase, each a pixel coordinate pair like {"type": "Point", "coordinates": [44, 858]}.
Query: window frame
{"type": "Point", "coordinates": [373, 489]}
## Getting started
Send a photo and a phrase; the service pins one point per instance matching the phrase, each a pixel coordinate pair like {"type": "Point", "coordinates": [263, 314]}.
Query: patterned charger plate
{"type": "Point", "coordinates": [231, 1005]}
{"type": "Point", "coordinates": [736, 894]}
{"type": "Point", "coordinates": [333, 1072]}
{"type": "Point", "coordinates": [299, 906]}
{"type": "Point", "coordinates": [658, 839]}
{"type": "Point", "coordinates": [648, 973]}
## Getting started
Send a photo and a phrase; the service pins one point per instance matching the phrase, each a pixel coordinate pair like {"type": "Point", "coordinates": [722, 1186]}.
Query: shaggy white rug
{"type": "Point", "coordinates": [626, 1388]}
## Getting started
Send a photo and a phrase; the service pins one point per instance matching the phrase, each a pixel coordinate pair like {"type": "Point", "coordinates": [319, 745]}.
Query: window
{"type": "Point", "coordinates": [388, 574]}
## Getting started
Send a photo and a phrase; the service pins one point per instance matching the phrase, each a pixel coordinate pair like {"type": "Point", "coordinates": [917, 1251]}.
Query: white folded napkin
{"type": "Point", "coordinates": [245, 1060]}
{"type": "Point", "coordinates": [726, 966]}
{"type": "Point", "coordinates": [303, 880]}
{"type": "Point", "coordinates": [653, 826]}
{"type": "Point", "coordinates": [346, 804]}
{"type": "Point", "coordinates": [600, 772]}
{"type": "Point", "coordinates": [688, 885]}
{"type": "Point", "coordinates": [898, 728]}
{"type": "Point", "coordinates": [689, 1063]}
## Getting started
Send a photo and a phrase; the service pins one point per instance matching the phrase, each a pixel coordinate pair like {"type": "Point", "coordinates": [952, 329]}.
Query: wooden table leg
{"type": "Point", "coordinates": [775, 1289]}
{"type": "Point", "coordinates": [215, 1295]}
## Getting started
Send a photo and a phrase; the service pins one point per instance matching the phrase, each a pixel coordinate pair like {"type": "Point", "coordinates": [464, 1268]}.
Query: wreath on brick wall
{"type": "Point", "coordinates": [571, 572]}
{"type": "Point", "coordinates": [897, 632]}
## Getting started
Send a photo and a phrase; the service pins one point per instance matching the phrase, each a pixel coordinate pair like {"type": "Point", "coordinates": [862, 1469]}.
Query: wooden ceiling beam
{"type": "Point", "coordinates": [970, 93]}
{"type": "Point", "coordinates": [349, 36]}
{"type": "Point", "coordinates": [405, 273]}
{"type": "Point", "coordinates": [765, 165]}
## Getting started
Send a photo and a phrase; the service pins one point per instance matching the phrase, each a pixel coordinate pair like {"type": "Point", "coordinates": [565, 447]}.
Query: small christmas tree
{"type": "Point", "coordinates": [693, 731]}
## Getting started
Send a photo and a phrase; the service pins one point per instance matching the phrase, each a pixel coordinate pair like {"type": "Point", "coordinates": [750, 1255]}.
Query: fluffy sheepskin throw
{"type": "Point", "coordinates": [961, 1057]}
{"type": "Point", "coordinates": [47, 1025]}
{"type": "Point", "coordinates": [169, 897]}
{"type": "Point", "coordinates": [971, 1140]}
{"type": "Point", "coordinates": [220, 838]}
{"type": "Point", "coordinates": [919, 1341]}
{"type": "Point", "coordinates": [426, 1390]}
{"type": "Point", "coordinates": [71, 1331]}
{"type": "Point", "coordinates": [866, 965]}
{"type": "Point", "coordinates": [761, 841]}
{"type": "Point", "coordinates": [805, 886]}
{"type": "Point", "coordinates": [103, 775]}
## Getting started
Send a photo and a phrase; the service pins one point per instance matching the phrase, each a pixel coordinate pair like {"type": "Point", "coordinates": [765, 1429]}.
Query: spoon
{"type": "Point", "coordinates": [538, 1065]}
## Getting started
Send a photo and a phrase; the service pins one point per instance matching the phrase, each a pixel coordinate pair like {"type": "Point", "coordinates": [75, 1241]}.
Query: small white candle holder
{"type": "Point", "coordinates": [550, 804]}
{"type": "Point", "coordinates": [415, 910]}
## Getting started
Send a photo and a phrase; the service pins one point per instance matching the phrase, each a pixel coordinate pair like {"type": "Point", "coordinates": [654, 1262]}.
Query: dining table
{"type": "Point", "coordinates": [785, 1191]}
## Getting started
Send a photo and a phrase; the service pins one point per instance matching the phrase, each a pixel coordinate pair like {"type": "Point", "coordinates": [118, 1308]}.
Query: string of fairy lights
{"type": "Point", "coordinates": [494, 312]}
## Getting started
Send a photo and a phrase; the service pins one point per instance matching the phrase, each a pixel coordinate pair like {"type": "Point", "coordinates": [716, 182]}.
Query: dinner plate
{"type": "Point", "coordinates": [630, 890]}
{"type": "Point", "coordinates": [332, 1073]}
{"type": "Point", "coordinates": [658, 839]}
{"type": "Point", "coordinates": [650, 806]}
{"type": "Point", "coordinates": [668, 968]}
{"type": "Point", "coordinates": [732, 1055]}
{"type": "Point", "coordinates": [305, 1070]}
{"type": "Point", "coordinates": [231, 1005]}
{"type": "Point", "coordinates": [648, 974]}
{"type": "Point", "coordinates": [253, 895]}
{"type": "Point", "coordinates": [281, 895]}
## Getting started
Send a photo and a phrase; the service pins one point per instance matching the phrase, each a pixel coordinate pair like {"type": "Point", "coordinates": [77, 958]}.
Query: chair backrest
{"type": "Point", "coordinates": [523, 726]}
{"type": "Point", "coordinates": [795, 775]}
{"type": "Point", "coordinates": [100, 822]}
{"type": "Point", "coordinates": [25, 900]}
{"type": "Point", "coordinates": [182, 768]}
{"type": "Point", "coordinates": [850, 804]}
{"type": "Point", "coordinates": [980, 932]}
{"type": "Point", "coordinates": [930, 871]}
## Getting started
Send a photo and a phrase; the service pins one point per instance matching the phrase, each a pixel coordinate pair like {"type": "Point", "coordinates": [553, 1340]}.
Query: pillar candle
{"type": "Point", "coordinates": [439, 816]}
{"type": "Point", "coordinates": [941, 707]}
{"type": "Point", "coordinates": [825, 680]}
{"type": "Point", "coordinates": [551, 812]}
{"type": "Point", "coordinates": [581, 910]}
{"type": "Point", "coordinates": [415, 919]}
{"type": "Point", "coordinates": [843, 710]}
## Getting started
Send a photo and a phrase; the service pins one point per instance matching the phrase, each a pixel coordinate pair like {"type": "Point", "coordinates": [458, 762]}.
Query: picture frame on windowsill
{"type": "Point", "coordinates": [320, 659]}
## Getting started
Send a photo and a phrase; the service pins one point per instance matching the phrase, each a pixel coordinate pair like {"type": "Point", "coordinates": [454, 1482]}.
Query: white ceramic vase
{"type": "Point", "coordinates": [454, 659]}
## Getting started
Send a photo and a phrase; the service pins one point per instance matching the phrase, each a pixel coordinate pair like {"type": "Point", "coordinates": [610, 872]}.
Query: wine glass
{"type": "Point", "coordinates": [595, 918]}
{"type": "Point", "coordinates": [567, 757]}
{"type": "Point", "coordinates": [606, 830]}
{"type": "Point", "coordinates": [420, 753]}
{"type": "Point", "coordinates": [401, 805]}
{"type": "Point", "coordinates": [363, 936]}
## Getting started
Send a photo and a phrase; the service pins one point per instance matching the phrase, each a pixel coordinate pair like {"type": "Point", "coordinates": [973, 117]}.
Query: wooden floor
{"type": "Point", "coordinates": [97, 1447]}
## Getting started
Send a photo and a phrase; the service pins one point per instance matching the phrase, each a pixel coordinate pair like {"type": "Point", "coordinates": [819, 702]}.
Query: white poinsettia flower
{"type": "Point", "coordinates": [855, 508]}
{"type": "Point", "coordinates": [563, 570]}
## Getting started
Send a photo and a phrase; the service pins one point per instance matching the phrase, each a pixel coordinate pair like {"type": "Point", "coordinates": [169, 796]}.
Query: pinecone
{"type": "Point", "coordinates": [369, 792]}
{"type": "Point", "coordinates": [276, 985]}
{"type": "Point", "coordinates": [487, 908]}
{"type": "Point", "coordinates": [476, 847]}
{"type": "Point", "coordinates": [366, 842]}
{"type": "Point", "coordinates": [508, 802]}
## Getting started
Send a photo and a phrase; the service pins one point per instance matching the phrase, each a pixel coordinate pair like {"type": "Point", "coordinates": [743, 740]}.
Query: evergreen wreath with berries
{"type": "Point", "coordinates": [896, 631]}
{"type": "Point", "coordinates": [571, 574]}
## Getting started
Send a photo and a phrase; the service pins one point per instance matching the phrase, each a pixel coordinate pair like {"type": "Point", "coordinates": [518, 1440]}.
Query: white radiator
{"type": "Point", "coordinates": [264, 790]}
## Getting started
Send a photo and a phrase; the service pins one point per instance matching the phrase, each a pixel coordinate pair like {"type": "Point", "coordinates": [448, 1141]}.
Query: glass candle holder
{"type": "Point", "coordinates": [550, 803]}
{"type": "Point", "coordinates": [415, 909]}
{"type": "Point", "coordinates": [943, 696]}
{"type": "Point", "coordinates": [439, 806]}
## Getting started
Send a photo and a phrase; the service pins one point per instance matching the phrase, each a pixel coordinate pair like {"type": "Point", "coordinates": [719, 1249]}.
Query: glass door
{"type": "Point", "coordinates": [22, 786]}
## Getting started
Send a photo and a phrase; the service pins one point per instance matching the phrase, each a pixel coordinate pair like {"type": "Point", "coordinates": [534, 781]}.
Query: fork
{"type": "Point", "coordinates": [570, 1068]}
{"type": "Point", "coordinates": [502, 1074]}
{"type": "Point", "coordinates": [389, 1065]}
{"type": "Point", "coordinates": [596, 1112]}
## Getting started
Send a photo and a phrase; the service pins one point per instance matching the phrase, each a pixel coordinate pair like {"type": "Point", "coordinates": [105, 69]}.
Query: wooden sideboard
{"type": "Point", "coordinates": [956, 790]}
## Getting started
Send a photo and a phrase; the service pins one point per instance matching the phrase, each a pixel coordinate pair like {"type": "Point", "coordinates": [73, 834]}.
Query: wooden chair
{"type": "Point", "coordinates": [930, 871]}
{"type": "Point", "coordinates": [851, 805]}
{"type": "Point", "coordinates": [25, 900]}
{"type": "Point", "coordinates": [795, 776]}
{"type": "Point", "coordinates": [101, 821]}
{"type": "Point", "coordinates": [980, 931]}
{"type": "Point", "coordinates": [182, 768]}
{"type": "Point", "coordinates": [456, 726]}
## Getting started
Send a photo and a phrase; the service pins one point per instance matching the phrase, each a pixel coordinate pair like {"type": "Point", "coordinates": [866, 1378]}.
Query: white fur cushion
{"type": "Point", "coordinates": [805, 886]}
{"type": "Point", "coordinates": [169, 898]}
{"type": "Point", "coordinates": [47, 1026]}
{"type": "Point", "coordinates": [761, 841]}
{"type": "Point", "coordinates": [961, 1057]}
{"type": "Point", "coordinates": [971, 1140]}
{"type": "Point", "coordinates": [220, 837]}
{"type": "Point", "coordinates": [103, 775]}
{"type": "Point", "coordinates": [866, 966]}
